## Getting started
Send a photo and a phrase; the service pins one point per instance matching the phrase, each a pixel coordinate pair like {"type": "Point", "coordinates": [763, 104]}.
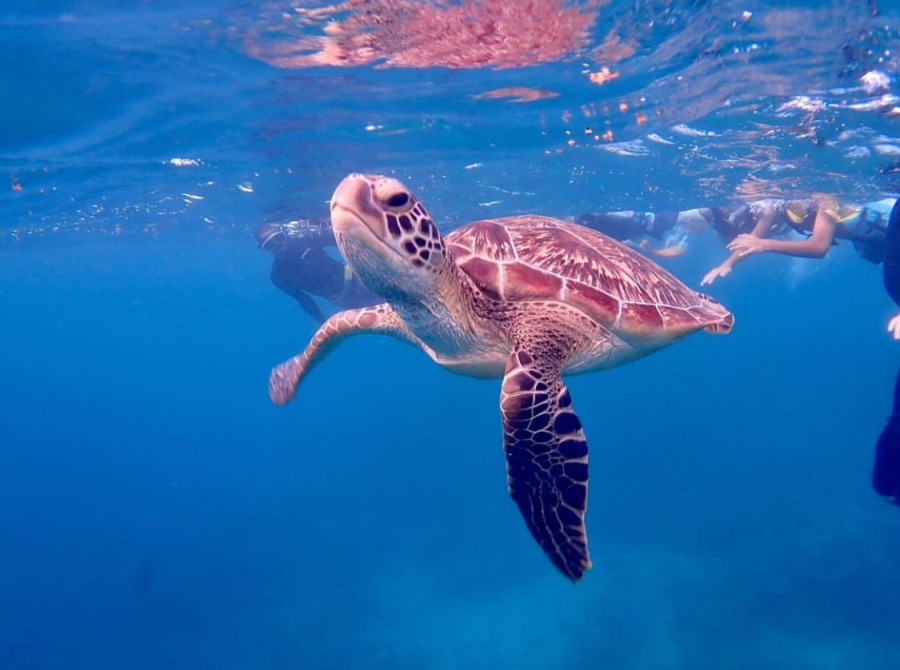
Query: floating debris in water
{"type": "Point", "coordinates": [516, 94]}
{"type": "Point", "coordinates": [875, 81]}
{"type": "Point", "coordinates": [684, 129]}
{"type": "Point", "coordinates": [602, 76]}
{"type": "Point", "coordinates": [629, 148]}
{"type": "Point", "coordinates": [876, 104]}
{"type": "Point", "coordinates": [653, 137]}
{"type": "Point", "coordinates": [887, 149]}
{"type": "Point", "coordinates": [857, 152]}
{"type": "Point", "coordinates": [803, 103]}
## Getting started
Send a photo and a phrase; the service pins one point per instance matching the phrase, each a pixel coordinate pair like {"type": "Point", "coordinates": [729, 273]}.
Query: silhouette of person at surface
{"type": "Point", "coordinates": [886, 469]}
{"type": "Point", "coordinates": [303, 268]}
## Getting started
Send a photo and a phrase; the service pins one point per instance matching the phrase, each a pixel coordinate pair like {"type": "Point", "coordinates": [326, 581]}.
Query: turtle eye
{"type": "Point", "coordinates": [397, 200]}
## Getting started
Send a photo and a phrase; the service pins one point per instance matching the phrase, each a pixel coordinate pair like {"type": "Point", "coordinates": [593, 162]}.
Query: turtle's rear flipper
{"type": "Point", "coordinates": [546, 459]}
{"type": "Point", "coordinates": [886, 471]}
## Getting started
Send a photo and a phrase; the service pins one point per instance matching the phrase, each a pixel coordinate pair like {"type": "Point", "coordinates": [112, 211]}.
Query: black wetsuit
{"type": "Point", "coordinates": [303, 268]}
{"type": "Point", "coordinates": [886, 471]}
{"type": "Point", "coordinates": [729, 222]}
{"type": "Point", "coordinates": [631, 225]}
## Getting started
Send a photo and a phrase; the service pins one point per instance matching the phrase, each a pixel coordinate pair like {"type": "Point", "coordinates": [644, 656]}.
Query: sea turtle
{"type": "Point", "coordinates": [526, 298]}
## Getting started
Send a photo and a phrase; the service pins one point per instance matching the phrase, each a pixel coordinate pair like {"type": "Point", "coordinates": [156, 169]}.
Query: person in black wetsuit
{"type": "Point", "coordinates": [303, 267]}
{"type": "Point", "coordinates": [886, 470]}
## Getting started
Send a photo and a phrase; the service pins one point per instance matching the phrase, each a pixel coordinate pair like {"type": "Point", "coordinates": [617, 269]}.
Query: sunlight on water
{"type": "Point", "coordinates": [680, 105]}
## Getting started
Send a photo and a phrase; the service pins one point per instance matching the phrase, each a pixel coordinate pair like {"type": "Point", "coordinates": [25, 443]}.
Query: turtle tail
{"type": "Point", "coordinates": [720, 320]}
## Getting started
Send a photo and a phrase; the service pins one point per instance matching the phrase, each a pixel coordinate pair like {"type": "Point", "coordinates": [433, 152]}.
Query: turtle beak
{"type": "Point", "coordinates": [358, 223]}
{"type": "Point", "coordinates": [353, 203]}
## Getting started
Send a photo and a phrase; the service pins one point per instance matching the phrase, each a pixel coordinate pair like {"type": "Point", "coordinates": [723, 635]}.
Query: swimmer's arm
{"type": "Point", "coordinates": [816, 246]}
{"type": "Point", "coordinates": [310, 306]}
{"type": "Point", "coordinates": [722, 269]}
{"type": "Point", "coordinates": [763, 228]}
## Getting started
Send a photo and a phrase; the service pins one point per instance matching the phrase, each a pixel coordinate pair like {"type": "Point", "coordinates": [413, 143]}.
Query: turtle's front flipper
{"type": "Point", "coordinates": [546, 459]}
{"type": "Point", "coordinates": [285, 377]}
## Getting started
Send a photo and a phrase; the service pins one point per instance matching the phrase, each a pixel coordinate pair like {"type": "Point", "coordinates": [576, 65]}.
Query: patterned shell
{"type": "Point", "coordinates": [535, 257]}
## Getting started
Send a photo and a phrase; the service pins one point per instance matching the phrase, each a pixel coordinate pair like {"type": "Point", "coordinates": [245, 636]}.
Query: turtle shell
{"type": "Point", "coordinates": [521, 258]}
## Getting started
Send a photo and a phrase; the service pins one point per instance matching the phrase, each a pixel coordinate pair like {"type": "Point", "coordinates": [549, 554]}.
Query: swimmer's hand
{"type": "Point", "coordinates": [893, 327]}
{"type": "Point", "coordinates": [722, 270]}
{"type": "Point", "coordinates": [747, 244]}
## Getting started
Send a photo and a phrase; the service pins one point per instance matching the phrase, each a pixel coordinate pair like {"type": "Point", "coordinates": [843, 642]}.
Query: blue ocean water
{"type": "Point", "coordinates": [157, 511]}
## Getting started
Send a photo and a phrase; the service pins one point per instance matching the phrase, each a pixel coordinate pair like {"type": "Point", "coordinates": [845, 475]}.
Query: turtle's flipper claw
{"type": "Point", "coordinates": [283, 381]}
{"type": "Point", "coordinates": [286, 377]}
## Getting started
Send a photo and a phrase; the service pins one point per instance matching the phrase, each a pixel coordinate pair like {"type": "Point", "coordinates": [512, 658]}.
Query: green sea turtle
{"type": "Point", "coordinates": [526, 298]}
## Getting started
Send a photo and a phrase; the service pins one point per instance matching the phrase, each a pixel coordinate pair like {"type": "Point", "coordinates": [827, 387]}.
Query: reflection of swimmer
{"type": "Point", "coordinates": [886, 470]}
{"type": "Point", "coordinates": [303, 267]}
{"type": "Point", "coordinates": [820, 222]}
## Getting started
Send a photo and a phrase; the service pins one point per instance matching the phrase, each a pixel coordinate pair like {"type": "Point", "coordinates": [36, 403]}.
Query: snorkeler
{"type": "Point", "coordinates": [820, 223]}
{"type": "Point", "coordinates": [886, 470]}
{"type": "Point", "coordinates": [629, 225]}
{"type": "Point", "coordinates": [673, 228]}
{"type": "Point", "coordinates": [303, 268]}
{"type": "Point", "coordinates": [670, 228]}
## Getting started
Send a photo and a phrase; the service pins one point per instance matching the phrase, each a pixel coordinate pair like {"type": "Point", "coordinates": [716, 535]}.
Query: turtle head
{"type": "Point", "coordinates": [386, 235]}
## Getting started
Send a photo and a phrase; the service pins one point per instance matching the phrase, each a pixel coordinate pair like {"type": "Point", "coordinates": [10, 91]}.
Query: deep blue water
{"type": "Point", "coordinates": [157, 511]}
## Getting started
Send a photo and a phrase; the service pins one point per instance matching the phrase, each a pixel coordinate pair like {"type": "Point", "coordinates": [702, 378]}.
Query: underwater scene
{"type": "Point", "coordinates": [662, 232]}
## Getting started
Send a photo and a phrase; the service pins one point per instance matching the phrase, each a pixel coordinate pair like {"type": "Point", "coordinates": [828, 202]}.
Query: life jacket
{"type": "Point", "coordinates": [865, 227]}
